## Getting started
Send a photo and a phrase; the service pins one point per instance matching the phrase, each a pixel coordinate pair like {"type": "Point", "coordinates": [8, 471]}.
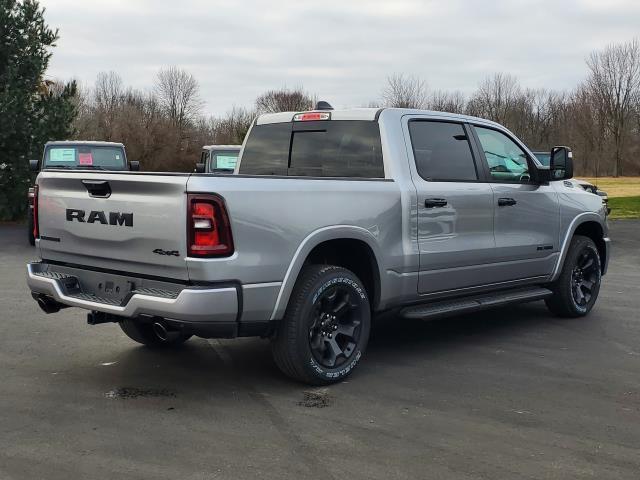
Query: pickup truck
{"type": "Point", "coordinates": [70, 154]}
{"type": "Point", "coordinates": [331, 217]}
{"type": "Point", "coordinates": [218, 159]}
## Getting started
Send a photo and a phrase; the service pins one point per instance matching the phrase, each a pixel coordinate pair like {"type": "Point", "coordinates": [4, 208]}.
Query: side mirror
{"type": "Point", "coordinates": [134, 166]}
{"type": "Point", "coordinates": [561, 163]}
{"type": "Point", "coordinates": [34, 165]}
{"type": "Point", "coordinates": [543, 174]}
{"type": "Point", "coordinates": [200, 168]}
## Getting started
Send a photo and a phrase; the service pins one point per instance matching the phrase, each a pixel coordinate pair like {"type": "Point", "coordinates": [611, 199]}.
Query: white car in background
{"type": "Point", "coordinates": [544, 158]}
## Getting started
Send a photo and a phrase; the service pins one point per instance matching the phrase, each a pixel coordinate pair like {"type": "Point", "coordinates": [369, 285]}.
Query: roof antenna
{"type": "Point", "coordinates": [322, 105]}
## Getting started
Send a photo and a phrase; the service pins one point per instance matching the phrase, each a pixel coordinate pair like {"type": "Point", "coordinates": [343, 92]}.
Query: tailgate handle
{"type": "Point", "coordinates": [97, 188]}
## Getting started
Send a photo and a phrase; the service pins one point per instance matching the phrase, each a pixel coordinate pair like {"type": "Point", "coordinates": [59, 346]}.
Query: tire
{"type": "Point", "coordinates": [144, 333]}
{"type": "Point", "coordinates": [325, 329]}
{"type": "Point", "coordinates": [32, 239]}
{"type": "Point", "coordinates": [576, 290]}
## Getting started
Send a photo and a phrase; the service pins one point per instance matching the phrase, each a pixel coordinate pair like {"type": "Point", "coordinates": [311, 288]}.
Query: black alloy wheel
{"type": "Point", "coordinates": [584, 277]}
{"type": "Point", "coordinates": [576, 289]}
{"type": "Point", "coordinates": [325, 329]}
{"type": "Point", "coordinates": [335, 331]}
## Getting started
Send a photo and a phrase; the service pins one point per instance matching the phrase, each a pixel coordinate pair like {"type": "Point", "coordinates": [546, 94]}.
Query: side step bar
{"type": "Point", "coordinates": [474, 303]}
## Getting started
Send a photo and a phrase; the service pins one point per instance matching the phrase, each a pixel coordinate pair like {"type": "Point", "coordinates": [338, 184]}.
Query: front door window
{"type": "Point", "coordinates": [507, 161]}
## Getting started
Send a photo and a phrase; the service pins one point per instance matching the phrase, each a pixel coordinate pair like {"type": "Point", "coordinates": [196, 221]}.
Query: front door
{"type": "Point", "coordinates": [526, 221]}
{"type": "Point", "coordinates": [455, 207]}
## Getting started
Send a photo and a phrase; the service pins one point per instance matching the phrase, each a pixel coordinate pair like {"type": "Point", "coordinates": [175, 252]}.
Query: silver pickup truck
{"type": "Point", "coordinates": [330, 218]}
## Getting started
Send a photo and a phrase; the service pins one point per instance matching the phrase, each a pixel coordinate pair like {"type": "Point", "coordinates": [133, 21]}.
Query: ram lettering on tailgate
{"type": "Point", "coordinates": [114, 218]}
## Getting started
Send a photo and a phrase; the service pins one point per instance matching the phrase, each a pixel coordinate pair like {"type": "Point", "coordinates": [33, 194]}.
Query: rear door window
{"type": "Point", "coordinates": [442, 151]}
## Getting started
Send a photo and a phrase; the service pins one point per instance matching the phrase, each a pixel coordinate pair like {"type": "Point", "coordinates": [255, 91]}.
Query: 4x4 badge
{"type": "Point", "coordinates": [174, 253]}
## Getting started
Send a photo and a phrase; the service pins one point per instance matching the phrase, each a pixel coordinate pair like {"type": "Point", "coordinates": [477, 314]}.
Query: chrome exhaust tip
{"type": "Point", "coordinates": [163, 333]}
{"type": "Point", "coordinates": [47, 304]}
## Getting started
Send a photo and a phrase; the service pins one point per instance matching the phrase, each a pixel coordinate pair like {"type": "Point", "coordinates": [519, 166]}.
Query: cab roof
{"type": "Point", "coordinates": [85, 142]}
{"type": "Point", "coordinates": [373, 114]}
{"type": "Point", "coordinates": [221, 147]}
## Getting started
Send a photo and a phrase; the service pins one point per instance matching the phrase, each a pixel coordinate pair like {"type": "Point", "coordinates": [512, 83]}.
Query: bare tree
{"type": "Point", "coordinates": [443, 101]}
{"type": "Point", "coordinates": [107, 96]}
{"type": "Point", "coordinates": [233, 127]}
{"type": "Point", "coordinates": [108, 90]}
{"type": "Point", "coordinates": [405, 92]}
{"type": "Point", "coordinates": [166, 132]}
{"type": "Point", "coordinates": [285, 100]}
{"type": "Point", "coordinates": [496, 97]}
{"type": "Point", "coordinates": [615, 80]}
{"type": "Point", "coordinates": [179, 95]}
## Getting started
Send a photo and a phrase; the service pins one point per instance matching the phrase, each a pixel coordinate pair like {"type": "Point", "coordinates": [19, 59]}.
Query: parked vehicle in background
{"type": "Point", "coordinates": [544, 158]}
{"type": "Point", "coordinates": [333, 216]}
{"type": "Point", "coordinates": [77, 155]}
{"type": "Point", "coordinates": [218, 159]}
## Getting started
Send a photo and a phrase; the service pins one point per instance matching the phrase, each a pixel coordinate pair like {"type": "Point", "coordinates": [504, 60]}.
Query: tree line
{"type": "Point", "coordinates": [600, 118]}
{"type": "Point", "coordinates": [164, 127]}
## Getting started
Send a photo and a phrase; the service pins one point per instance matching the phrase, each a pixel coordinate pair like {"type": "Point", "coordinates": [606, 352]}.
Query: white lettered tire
{"type": "Point", "coordinates": [325, 329]}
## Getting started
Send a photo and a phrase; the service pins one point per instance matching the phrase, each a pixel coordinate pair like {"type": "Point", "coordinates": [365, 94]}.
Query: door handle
{"type": "Point", "coordinates": [97, 188]}
{"type": "Point", "coordinates": [435, 202]}
{"type": "Point", "coordinates": [506, 202]}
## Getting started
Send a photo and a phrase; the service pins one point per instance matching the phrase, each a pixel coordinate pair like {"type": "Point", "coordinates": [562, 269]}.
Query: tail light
{"type": "Point", "coordinates": [209, 229]}
{"type": "Point", "coordinates": [35, 212]}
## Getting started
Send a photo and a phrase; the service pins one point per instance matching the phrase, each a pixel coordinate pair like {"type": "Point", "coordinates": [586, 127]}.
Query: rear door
{"type": "Point", "coordinates": [455, 207]}
{"type": "Point", "coordinates": [526, 222]}
{"type": "Point", "coordinates": [126, 222]}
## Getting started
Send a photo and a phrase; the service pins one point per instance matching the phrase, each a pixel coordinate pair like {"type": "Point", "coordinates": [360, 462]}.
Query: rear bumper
{"type": "Point", "coordinates": [177, 302]}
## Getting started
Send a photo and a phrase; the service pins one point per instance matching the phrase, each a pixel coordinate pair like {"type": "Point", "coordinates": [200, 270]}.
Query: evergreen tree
{"type": "Point", "coordinates": [32, 110]}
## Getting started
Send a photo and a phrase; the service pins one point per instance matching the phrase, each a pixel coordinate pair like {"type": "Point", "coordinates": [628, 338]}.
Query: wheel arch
{"type": "Point", "coordinates": [351, 247]}
{"type": "Point", "coordinates": [595, 232]}
{"type": "Point", "coordinates": [589, 225]}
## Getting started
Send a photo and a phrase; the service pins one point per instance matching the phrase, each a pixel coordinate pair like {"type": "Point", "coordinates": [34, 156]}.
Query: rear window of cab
{"type": "Point", "coordinates": [85, 156]}
{"type": "Point", "coordinates": [338, 148]}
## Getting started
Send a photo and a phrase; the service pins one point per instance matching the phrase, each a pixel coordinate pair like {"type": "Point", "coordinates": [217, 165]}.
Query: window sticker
{"type": "Point", "coordinates": [226, 161]}
{"type": "Point", "coordinates": [62, 155]}
{"type": "Point", "coordinates": [85, 159]}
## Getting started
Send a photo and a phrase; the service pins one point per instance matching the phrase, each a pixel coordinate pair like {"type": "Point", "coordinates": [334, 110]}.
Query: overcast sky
{"type": "Point", "coordinates": [341, 50]}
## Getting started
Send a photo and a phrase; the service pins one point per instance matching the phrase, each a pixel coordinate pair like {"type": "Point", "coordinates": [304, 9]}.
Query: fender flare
{"type": "Point", "coordinates": [315, 238]}
{"type": "Point", "coordinates": [573, 226]}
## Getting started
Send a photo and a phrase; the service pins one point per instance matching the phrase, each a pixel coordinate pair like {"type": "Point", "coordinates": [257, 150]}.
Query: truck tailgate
{"type": "Point", "coordinates": [117, 221]}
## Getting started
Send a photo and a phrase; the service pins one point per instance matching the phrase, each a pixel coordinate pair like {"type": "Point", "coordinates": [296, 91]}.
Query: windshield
{"type": "Point", "coordinates": [85, 156]}
{"type": "Point", "coordinates": [225, 160]}
{"type": "Point", "coordinates": [543, 158]}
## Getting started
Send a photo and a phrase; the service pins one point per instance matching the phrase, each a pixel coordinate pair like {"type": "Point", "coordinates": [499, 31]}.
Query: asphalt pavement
{"type": "Point", "coordinates": [513, 393]}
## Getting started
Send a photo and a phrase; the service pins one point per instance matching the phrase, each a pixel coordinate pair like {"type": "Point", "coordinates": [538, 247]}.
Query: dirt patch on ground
{"type": "Point", "coordinates": [127, 393]}
{"type": "Point", "coordinates": [316, 399]}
